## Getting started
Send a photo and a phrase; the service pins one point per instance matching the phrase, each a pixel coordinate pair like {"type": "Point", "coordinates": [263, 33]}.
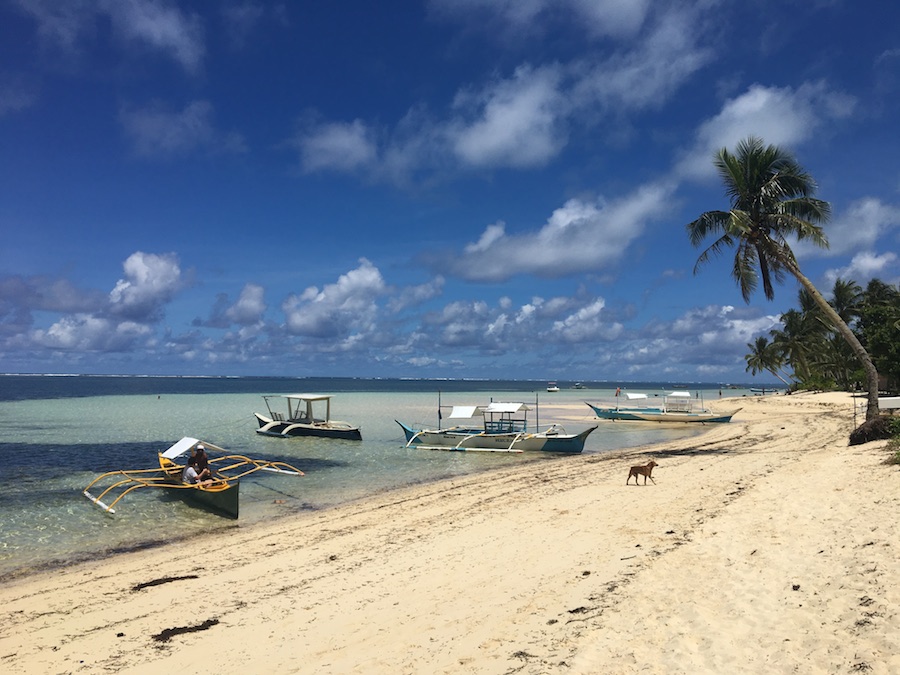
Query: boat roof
{"type": "Point", "coordinates": [632, 397]}
{"type": "Point", "coordinates": [184, 446]}
{"type": "Point", "coordinates": [180, 448]}
{"type": "Point", "coordinates": [506, 407]}
{"type": "Point", "coordinates": [308, 397]}
{"type": "Point", "coordinates": [460, 412]}
{"type": "Point", "coordinates": [680, 394]}
{"type": "Point", "coordinates": [469, 411]}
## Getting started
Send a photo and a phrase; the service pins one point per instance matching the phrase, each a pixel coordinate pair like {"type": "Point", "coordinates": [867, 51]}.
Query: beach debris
{"type": "Point", "coordinates": [795, 587]}
{"type": "Point", "coordinates": [159, 582]}
{"type": "Point", "coordinates": [169, 633]}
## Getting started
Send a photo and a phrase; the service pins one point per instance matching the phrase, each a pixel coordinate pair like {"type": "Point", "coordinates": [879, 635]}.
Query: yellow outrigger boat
{"type": "Point", "coordinates": [219, 494]}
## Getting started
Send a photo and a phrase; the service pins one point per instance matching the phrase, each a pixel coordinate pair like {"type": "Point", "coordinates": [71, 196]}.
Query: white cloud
{"type": "Point", "coordinates": [857, 228]}
{"type": "Point", "coordinates": [646, 74]}
{"type": "Point", "coordinates": [412, 296]}
{"type": "Point", "coordinates": [865, 266]}
{"type": "Point", "coordinates": [160, 25]}
{"type": "Point", "coordinates": [150, 281]}
{"type": "Point", "coordinates": [579, 236]}
{"type": "Point", "coordinates": [337, 309]}
{"type": "Point", "coordinates": [782, 116]}
{"type": "Point", "coordinates": [587, 324]}
{"type": "Point", "coordinates": [518, 122]}
{"type": "Point", "coordinates": [523, 121]}
{"type": "Point", "coordinates": [16, 94]}
{"type": "Point", "coordinates": [84, 332]}
{"type": "Point", "coordinates": [617, 18]}
{"type": "Point", "coordinates": [158, 132]}
{"type": "Point", "coordinates": [157, 24]}
{"type": "Point", "coordinates": [250, 306]}
{"type": "Point", "coordinates": [336, 146]}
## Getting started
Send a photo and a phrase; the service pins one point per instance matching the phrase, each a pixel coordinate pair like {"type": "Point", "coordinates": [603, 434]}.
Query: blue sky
{"type": "Point", "coordinates": [444, 188]}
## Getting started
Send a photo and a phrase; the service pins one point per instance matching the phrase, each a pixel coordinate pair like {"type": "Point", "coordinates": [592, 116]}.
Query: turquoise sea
{"type": "Point", "coordinates": [58, 432]}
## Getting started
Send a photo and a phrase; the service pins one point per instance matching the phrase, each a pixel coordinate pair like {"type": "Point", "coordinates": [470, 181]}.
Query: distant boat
{"type": "Point", "coordinates": [307, 415]}
{"type": "Point", "coordinates": [676, 407]}
{"type": "Point", "coordinates": [578, 385]}
{"type": "Point", "coordinates": [504, 428]}
{"type": "Point", "coordinates": [552, 388]}
{"type": "Point", "coordinates": [764, 390]}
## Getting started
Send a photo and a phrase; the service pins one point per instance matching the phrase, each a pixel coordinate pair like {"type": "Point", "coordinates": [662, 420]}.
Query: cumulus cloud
{"type": "Point", "coordinates": [514, 123]}
{"type": "Point", "coordinates": [156, 131]}
{"type": "Point", "coordinates": [337, 309]}
{"type": "Point", "coordinates": [587, 324]}
{"type": "Point", "coordinates": [579, 236]}
{"type": "Point", "coordinates": [521, 120]}
{"type": "Point", "coordinates": [412, 296]}
{"type": "Point", "coordinates": [85, 332]}
{"type": "Point", "coordinates": [857, 228]}
{"type": "Point", "coordinates": [866, 266]}
{"type": "Point", "coordinates": [157, 25]}
{"type": "Point", "coordinates": [712, 337]}
{"type": "Point", "coordinates": [336, 146]}
{"type": "Point", "coordinates": [781, 115]}
{"type": "Point", "coordinates": [647, 73]}
{"type": "Point", "coordinates": [150, 282]}
{"type": "Point", "coordinates": [250, 306]}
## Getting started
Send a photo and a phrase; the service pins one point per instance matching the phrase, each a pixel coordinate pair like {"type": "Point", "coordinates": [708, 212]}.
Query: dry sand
{"type": "Point", "coordinates": [767, 546]}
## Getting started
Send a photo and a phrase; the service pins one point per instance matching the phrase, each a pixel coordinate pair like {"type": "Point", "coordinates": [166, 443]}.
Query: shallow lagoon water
{"type": "Point", "coordinates": [51, 448]}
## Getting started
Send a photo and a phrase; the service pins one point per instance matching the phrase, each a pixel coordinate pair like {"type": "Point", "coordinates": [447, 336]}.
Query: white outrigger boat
{"type": "Point", "coordinates": [677, 406]}
{"type": "Point", "coordinates": [504, 429]}
{"type": "Point", "coordinates": [220, 494]}
{"type": "Point", "coordinates": [307, 415]}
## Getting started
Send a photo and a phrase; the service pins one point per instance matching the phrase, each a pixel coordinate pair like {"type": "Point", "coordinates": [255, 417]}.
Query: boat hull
{"type": "Point", "coordinates": [281, 429]}
{"type": "Point", "coordinates": [474, 440]}
{"type": "Point", "coordinates": [660, 415]}
{"type": "Point", "coordinates": [222, 496]}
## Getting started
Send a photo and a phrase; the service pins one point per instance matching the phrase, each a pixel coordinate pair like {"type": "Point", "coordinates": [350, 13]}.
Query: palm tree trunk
{"type": "Point", "coordinates": [847, 334]}
{"type": "Point", "coordinates": [776, 374]}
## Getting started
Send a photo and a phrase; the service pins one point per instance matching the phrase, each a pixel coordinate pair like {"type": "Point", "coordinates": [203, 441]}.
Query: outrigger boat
{"type": "Point", "coordinates": [305, 417]}
{"type": "Point", "coordinates": [219, 494]}
{"type": "Point", "coordinates": [504, 429]}
{"type": "Point", "coordinates": [675, 407]}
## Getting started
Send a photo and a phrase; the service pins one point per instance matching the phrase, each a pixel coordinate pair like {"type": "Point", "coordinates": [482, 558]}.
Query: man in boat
{"type": "Point", "coordinates": [191, 473]}
{"type": "Point", "coordinates": [202, 460]}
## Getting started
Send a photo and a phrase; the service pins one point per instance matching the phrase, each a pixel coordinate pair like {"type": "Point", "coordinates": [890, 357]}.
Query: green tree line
{"type": "Point", "coordinates": [807, 352]}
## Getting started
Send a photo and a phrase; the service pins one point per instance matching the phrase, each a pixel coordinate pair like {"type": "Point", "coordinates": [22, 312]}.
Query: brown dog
{"type": "Point", "coordinates": [644, 470]}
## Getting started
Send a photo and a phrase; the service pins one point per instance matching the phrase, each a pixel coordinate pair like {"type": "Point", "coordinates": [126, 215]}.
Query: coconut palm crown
{"type": "Point", "coordinates": [772, 200]}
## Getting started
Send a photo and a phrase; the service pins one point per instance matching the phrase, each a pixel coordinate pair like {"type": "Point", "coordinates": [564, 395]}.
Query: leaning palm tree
{"type": "Point", "coordinates": [771, 200]}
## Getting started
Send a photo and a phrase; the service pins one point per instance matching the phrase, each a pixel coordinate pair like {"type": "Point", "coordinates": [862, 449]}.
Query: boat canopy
{"type": "Point", "coordinates": [308, 397]}
{"type": "Point", "coordinates": [633, 397]}
{"type": "Point", "coordinates": [181, 447]}
{"type": "Point", "coordinates": [509, 408]}
{"type": "Point", "coordinates": [465, 412]}
{"type": "Point", "coordinates": [680, 394]}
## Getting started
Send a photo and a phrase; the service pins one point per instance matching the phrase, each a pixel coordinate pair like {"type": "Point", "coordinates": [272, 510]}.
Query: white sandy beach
{"type": "Point", "coordinates": [767, 546]}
